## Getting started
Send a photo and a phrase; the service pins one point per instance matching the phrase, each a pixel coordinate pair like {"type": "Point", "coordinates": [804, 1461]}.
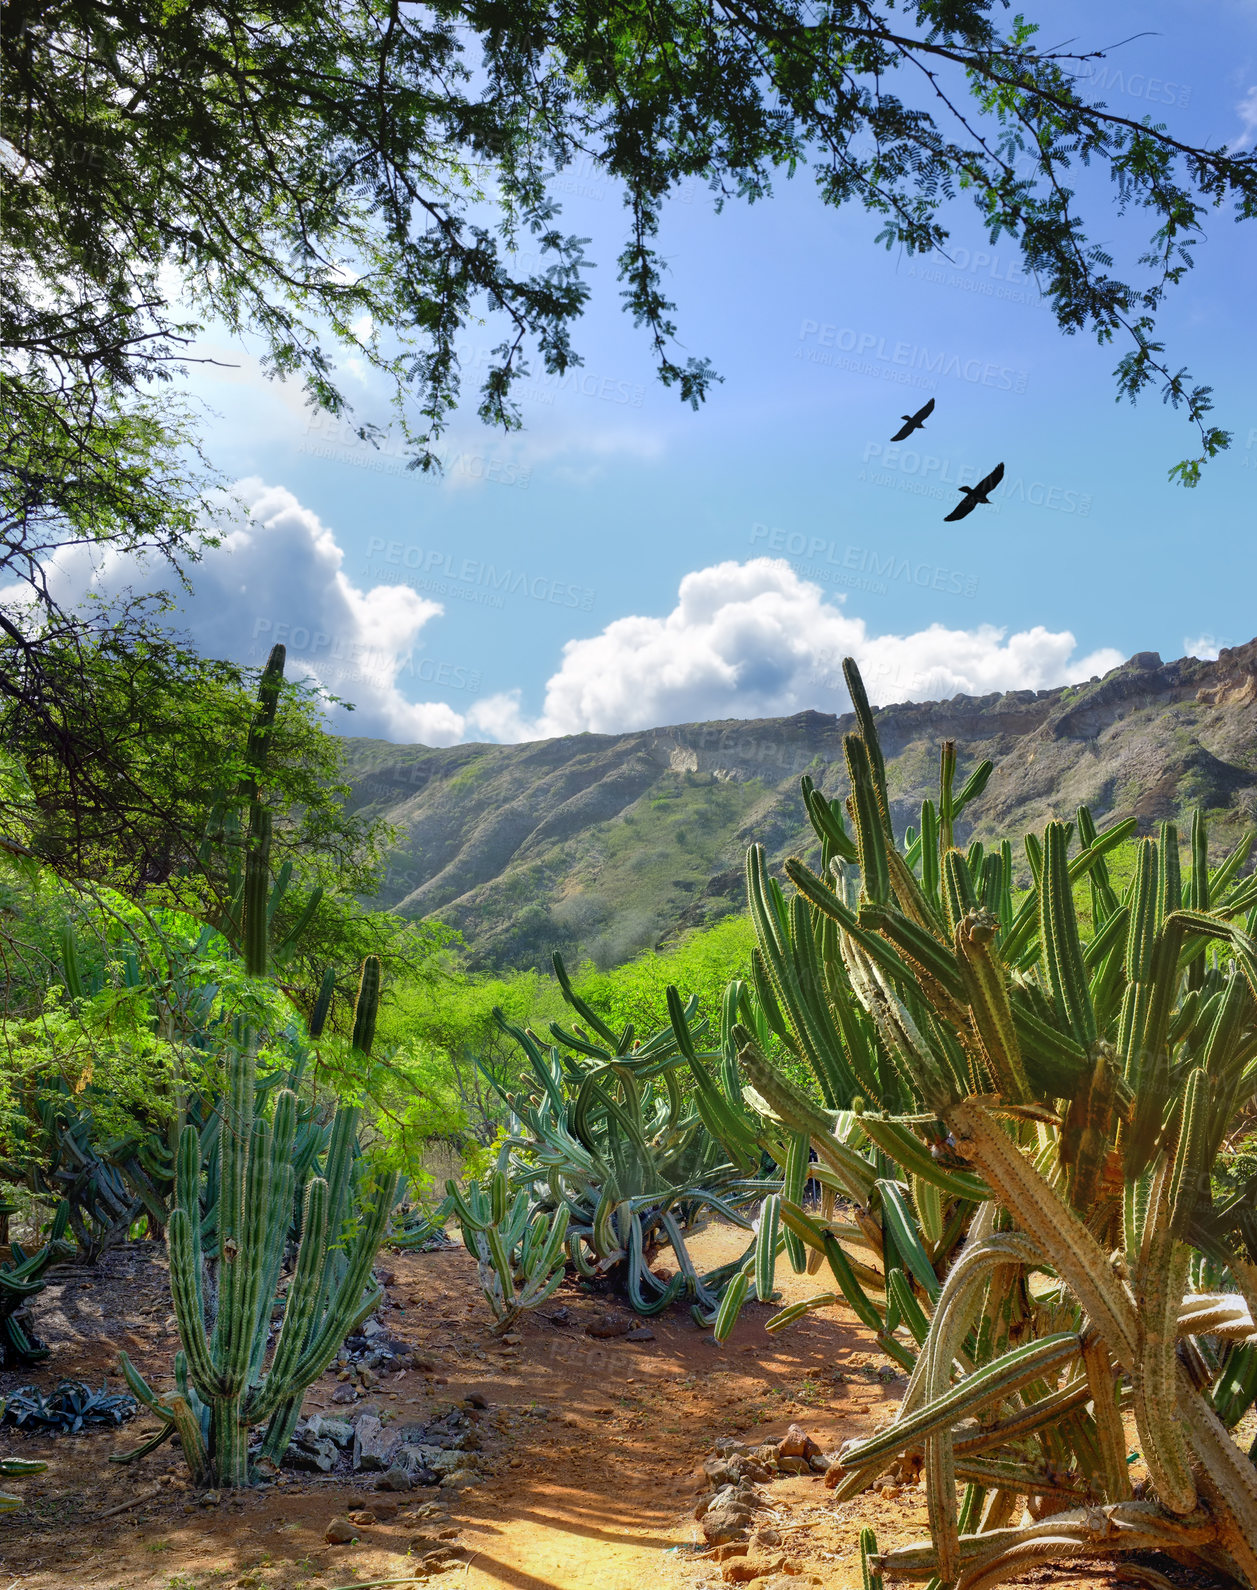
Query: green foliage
{"type": "Point", "coordinates": [703, 964]}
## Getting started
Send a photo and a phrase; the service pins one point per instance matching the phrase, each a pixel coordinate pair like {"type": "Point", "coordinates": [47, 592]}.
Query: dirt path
{"type": "Point", "coordinates": [590, 1451]}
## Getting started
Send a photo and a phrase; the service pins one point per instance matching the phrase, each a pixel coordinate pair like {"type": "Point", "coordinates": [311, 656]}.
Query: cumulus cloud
{"type": "Point", "coordinates": [752, 639]}
{"type": "Point", "coordinates": [744, 640]}
{"type": "Point", "coordinates": [278, 576]}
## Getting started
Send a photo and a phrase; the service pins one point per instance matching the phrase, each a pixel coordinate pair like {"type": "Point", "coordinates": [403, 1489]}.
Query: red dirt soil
{"type": "Point", "coordinates": [590, 1451]}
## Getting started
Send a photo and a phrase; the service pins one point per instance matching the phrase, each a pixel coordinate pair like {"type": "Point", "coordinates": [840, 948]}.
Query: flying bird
{"type": "Point", "coordinates": [971, 496]}
{"type": "Point", "coordinates": [915, 421]}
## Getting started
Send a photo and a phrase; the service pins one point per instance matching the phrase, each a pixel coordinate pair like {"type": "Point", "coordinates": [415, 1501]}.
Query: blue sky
{"type": "Point", "coordinates": [616, 493]}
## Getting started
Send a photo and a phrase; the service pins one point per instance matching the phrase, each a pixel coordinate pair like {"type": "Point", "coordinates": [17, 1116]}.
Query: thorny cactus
{"type": "Point", "coordinates": [518, 1248]}
{"type": "Point", "coordinates": [607, 1133]}
{"type": "Point", "coordinates": [1078, 1087]}
{"type": "Point", "coordinates": [225, 1385]}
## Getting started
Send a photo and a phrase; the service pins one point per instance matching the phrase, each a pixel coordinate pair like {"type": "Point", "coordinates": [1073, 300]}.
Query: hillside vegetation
{"type": "Point", "coordinates": [599, 846]}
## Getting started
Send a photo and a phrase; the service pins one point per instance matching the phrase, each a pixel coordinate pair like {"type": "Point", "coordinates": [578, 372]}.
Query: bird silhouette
{"type": "Point", "coordinates": [971, 496]}
{"type": "Point", "coordinates": [915, 421]}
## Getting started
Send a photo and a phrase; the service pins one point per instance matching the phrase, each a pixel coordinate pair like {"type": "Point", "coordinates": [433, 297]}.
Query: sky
{"type": "Point", "coordinates": [625, 562]}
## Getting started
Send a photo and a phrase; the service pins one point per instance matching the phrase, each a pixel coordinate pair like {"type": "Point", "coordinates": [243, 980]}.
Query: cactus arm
{"type": "Point", "coordinates": [1042, 1212]}
{"type": "Point", "coordinates": [988, 1385]}
{"type": "Point", "coordinates": [801, 1115]}
{"type": "Point", "coordinates": [1109, 1430]}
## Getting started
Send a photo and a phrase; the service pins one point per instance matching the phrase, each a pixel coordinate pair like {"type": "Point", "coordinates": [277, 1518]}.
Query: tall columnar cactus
{"type": "Point", "coordinates": [225, 1385]}
{"type": "Point", "coordinates": [1071, 1090]}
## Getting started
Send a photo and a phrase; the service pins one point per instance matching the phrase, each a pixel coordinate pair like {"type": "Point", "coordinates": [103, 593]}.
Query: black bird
{"type": "Point", "coordinates": [971, 496]}
{"type": "Point", "coordinates": [915, 421]}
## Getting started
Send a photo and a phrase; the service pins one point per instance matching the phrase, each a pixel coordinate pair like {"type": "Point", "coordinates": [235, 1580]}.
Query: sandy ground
{"type": "Point", "coordinates": [590, 1451]}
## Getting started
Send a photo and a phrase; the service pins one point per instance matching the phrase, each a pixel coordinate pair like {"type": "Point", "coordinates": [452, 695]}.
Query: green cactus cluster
{"type": "Point", "coordinates": [519, 1249]}
{"type": "Point", "coordinates": [225, 1383]}
{"type": "Point", "coordinates": [1058, 1099]}
{"type": "Point", "coordinates": [608, 1137]}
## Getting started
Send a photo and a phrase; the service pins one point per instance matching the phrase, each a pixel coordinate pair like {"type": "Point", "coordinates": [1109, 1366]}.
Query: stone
{"type": "Point", "coordinates": [512, 1339]}
{"type": "Point", "coordinates": [311, 1457]}
{"type": "Point", "coordinates": [374, 1446]}
{"type": "Point", "coordinates": [730, 1521]}
{"type": "Point", "coordinates": [609, 1325]}
{"type": "Point", "coordinates": [384, 1508]}
{"type": "Point", "coordinates": [793, 1465]}
{"type": "Point", "coordinates": [345, 1393]}
{"type": "Point", "coordinates": [395, 1479]}
{"type": "Point", "coordinates": [340, 1532]}
{"type": "Point", "coordinates": [796, 1443]}
{"type": "Point", "coordinates": [459, 1480]}
{"type": "Point", "coordinates": [363, 1515]}
{"type": "Point", "coordinates": [367, 1377]}
{"type": "Point", "coordinates": [643, 1333]}
{"type": "Point", "coordinates": [730, 1549]}
{"type": "Point", "coordinates": [741, 1570]}
{"type": "Point", "coordinates": [209, 1498]}
{"type": "Point", "coordinates": [476, 1399]}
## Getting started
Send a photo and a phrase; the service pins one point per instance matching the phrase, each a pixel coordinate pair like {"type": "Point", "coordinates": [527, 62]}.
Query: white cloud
{"type": "Point", "coordinates": [1247, 113]}
{"type": "Point", "coordinates": [1204, 647]}
{"type": "Point", "coordinates": [744, 640]}
{"type": "Point", "coordinates": [752, 639]}
{"type": "Point", "coordinates": [278, 576]}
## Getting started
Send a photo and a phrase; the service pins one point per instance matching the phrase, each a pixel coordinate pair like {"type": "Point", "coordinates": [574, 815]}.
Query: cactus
{"type": "Point", "coordinates": [11, 1468]}
{"type": "Point", "coordinates": [519, 1249]}
{"type": "Point", "coordinates": [608, 1133]}
{"type": "Point", "coordinates": [224, 1384]}
{"type": "Point", "coordinates": [1065, 1098]}
{"type": "Point", "coordinates": [21, 1277]}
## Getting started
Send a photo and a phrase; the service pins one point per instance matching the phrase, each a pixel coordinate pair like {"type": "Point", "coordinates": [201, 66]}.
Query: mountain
{"type": "Point", "coordinates": [603, 844]}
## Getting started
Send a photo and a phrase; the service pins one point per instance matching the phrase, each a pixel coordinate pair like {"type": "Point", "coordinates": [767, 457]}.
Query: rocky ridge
{"type": "Point", "coordinates": [604, 844]}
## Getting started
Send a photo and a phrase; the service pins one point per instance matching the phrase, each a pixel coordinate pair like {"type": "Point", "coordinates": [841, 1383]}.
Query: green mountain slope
{"type": "Point", "coordinates": [601, 845]}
